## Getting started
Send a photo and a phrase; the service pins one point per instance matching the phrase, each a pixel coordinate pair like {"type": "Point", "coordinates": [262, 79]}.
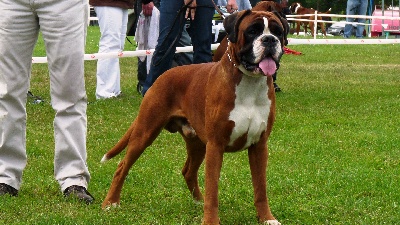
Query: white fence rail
{"type": "Point", "coordinates": [292, 41]}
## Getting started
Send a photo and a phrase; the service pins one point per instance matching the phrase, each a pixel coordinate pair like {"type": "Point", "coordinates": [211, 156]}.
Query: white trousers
{"type": "Point", "coordinates": [63, 25]}
{"type": "Point", "coordinates": [113, 25]}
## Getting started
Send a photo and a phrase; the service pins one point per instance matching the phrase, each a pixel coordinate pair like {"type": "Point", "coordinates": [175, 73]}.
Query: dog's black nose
{"type": "Point", "coordinates": [268, 40]}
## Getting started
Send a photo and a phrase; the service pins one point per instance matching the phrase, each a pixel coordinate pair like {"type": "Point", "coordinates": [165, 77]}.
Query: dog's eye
{"type": "Point", "coordinates": [254, 30]}
{"type": "Point", "coordinates": [276, 30]}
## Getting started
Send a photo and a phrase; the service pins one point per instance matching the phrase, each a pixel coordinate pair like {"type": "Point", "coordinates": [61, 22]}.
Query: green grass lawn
{"type": "Point", "coordinates": [334, 149]}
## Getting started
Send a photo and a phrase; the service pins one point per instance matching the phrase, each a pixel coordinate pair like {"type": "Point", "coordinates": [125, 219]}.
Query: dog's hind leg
{"type": "Point", "coordinates": [141, 137]}
{"type": "Point", "coordinates": [196, 151]}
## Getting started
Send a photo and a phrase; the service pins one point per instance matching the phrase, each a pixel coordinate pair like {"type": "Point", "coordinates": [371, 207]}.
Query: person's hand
{"type": "Point", "coordinates": [191, 10]}
{"type": "Point", "coordinates": [231, 6]}
{"type": "Point", "coordinates": [147, 9]}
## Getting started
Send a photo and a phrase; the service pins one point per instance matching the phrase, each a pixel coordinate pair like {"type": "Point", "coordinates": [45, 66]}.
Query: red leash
{"type": "Point", "coordinates": [290, 51]}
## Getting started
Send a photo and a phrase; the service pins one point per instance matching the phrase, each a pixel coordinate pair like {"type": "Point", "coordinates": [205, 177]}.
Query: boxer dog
{"type": "Point", "coordinates": [217, 107]}
{"type": "Point", "coordinates": [297, 9]}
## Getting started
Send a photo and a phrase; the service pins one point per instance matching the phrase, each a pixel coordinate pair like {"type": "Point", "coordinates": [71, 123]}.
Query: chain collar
{"type": "Point", "coordinates": [240, 67]}
{"type": "Point", "coordinates": [229, 56]}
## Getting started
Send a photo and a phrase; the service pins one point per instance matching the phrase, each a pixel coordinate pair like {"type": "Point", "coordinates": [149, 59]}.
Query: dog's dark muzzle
{"type": "Point", "coordinates": [269, 41]}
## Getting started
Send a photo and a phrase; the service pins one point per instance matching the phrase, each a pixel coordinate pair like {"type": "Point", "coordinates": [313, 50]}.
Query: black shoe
{"type": "Point", "coordinates": [277, 88]}
{"type": "Point", "coordinates": [80, 193]}
{"type": "Point", "coordinates": [7, 189]}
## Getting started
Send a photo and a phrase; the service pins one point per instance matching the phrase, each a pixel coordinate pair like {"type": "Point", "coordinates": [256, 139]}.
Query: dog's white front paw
{"type": "Point", "coordinates": [272, 222]}
{"type": "Point", "coordinates": [112, 206]}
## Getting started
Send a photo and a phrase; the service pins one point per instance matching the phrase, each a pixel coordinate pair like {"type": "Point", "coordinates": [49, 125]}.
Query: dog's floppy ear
{"type": "Point", "coordinates": [232, 22]}
{"type": "Point", "coordinates": [285, 25]}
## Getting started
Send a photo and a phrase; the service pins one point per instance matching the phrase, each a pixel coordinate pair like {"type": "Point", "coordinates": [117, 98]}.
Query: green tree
{"type": "Point", "coordinates": [337, 6]}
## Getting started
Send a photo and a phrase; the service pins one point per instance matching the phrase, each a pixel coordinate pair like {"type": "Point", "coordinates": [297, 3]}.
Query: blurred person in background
{"type": "Point", "coordinates": [113, 21]}
{"type": "Point", "coordinates": [173, 15]}
{"type": "Point", "coordinates": [146, 11]}
{"type": "Point", "coordinates": [355, 7]}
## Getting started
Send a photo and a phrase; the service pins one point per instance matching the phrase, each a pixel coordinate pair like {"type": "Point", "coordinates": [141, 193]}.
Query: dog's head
{"type": "Point", "coordinates": [257, 40]}
{"type": "Point", "coordinates": [294, 7]}
{"type": "Point", "coordinates": [278, 9]}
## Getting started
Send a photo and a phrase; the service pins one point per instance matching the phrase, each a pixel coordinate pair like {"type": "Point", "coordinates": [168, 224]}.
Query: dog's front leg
{"type": "Point", "coordinates": [214, 157]}
{"type": "Point", "coordinates": [312, 26]}
{"type": "Point", "coordinates": [258, 158]}
{"type": "Point", "coordinates": [298, 24]}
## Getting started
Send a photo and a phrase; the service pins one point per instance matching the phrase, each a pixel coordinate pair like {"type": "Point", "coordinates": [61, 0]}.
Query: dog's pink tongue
{"type": "Point", "coordinates": [268, 66]}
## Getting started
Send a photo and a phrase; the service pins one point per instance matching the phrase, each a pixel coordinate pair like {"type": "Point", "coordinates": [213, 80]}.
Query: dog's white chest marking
{"type": "Point", "coordinates": [251, 110]}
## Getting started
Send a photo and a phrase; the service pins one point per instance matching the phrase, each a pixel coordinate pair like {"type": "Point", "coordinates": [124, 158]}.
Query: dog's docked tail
{"type": "Point", "coordinates": [119, 147]}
